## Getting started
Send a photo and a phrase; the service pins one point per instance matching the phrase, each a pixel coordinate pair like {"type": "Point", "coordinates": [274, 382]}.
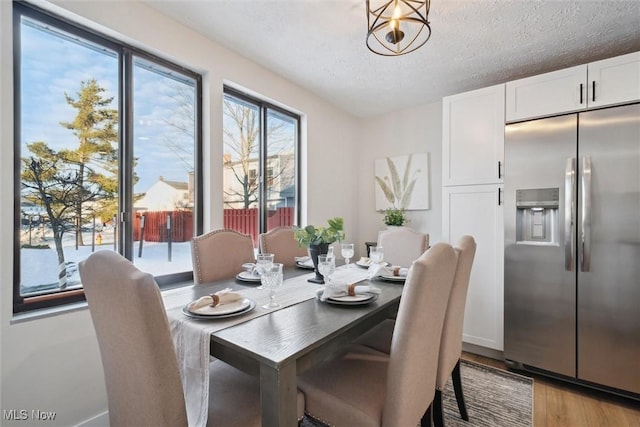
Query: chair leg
{"type": "Point", "coordinates": [438, 414]}
{"type": "Point", "coordinates": [457, 388]}
{"type": "Point", "coordinates": [426, 418]}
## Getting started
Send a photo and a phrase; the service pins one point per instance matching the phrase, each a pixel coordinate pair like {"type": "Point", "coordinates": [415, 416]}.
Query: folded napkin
{"type": "Point", "coordinates": [377, 270]}
{"type": "Point", "coordinates": [304, 260]}
{"type": "Point", "coordinates": [365, 261]}
{"type": "Point", "coordinates": [345, 282]}
{"type": "Point", "coordinates": [225, 296]}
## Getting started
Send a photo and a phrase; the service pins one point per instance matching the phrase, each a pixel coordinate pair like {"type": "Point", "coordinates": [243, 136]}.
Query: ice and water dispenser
{"type": "Point", "coordinates": [537, 216]}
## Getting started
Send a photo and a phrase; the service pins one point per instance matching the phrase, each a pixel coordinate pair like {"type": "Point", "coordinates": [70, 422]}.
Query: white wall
{"type": "Point", "coordinates": [413, 130]}
{"type": "Point", "coordinates": [52, 363]}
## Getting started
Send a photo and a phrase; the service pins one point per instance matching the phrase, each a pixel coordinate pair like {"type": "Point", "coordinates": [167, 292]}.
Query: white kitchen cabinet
{"type": "Point", "coordinates": [475, 210]}
{"type": "Point", "coordinates": [614, 81]}
{"type": "Point", "coordinates": [597, 84]}
{"type": "Point", "coordinates": [473, 137]}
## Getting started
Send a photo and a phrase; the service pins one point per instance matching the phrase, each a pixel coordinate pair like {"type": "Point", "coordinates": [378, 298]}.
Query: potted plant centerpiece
{"type": "Point", "coordinates": [394, 217]}
{"type": "Point", "coordinates": [318, 239]}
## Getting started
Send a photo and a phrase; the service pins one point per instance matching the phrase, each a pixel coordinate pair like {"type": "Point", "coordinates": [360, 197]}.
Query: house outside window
{"type": "Point", "coordinates": [96, 122]}
{"type": "Point", "coordinates": [260, 183]}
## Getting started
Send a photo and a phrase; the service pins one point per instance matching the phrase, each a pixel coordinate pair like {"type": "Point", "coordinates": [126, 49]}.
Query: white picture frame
{"type": "Point", "coordinates": [402, 182]}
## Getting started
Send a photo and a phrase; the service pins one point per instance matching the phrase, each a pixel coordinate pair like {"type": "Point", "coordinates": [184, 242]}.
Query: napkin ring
{"type": "Point", "coordinates": [351, 289]}
{"type": "Point", "coordinates": [396, 271]}
{"type": "Point", "coordinates": [216, 300]}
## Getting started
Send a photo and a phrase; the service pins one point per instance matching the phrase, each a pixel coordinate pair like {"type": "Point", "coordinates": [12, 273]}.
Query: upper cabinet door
{"type": "Point", "coordinates": [614, 81]}
{"type": "Point", "coordinates": [547, 94]}
{"type": "Point", "coordinates": [473, 137]}
{"type": "Point", "coordinates": [598, 84]}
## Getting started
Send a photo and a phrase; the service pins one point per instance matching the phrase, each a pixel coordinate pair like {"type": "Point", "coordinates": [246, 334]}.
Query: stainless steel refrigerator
{"type": "Point", "coordinates": [572, 247]}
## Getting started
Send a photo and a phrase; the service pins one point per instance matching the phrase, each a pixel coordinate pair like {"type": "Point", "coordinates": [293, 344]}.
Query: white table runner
{"type": "Point", "coordinates": [192, 337]}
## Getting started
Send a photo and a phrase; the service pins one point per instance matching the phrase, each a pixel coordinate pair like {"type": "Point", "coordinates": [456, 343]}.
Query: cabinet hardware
{"type": "Point", "coordinates": [580, 93]}
{"type": "Point", "coordinates": [499, 169]}
{"type": "Point", "coordinates": [593, 91]}
{"type": "Point", "coordinates": [499, 196]}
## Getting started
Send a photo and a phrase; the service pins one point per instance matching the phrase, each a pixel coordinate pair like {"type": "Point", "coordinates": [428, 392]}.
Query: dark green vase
{"type": "Point", "coordinates": [314, 251]}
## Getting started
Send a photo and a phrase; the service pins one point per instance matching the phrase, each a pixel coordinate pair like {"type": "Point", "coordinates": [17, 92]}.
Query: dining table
{"type": "Point", "coordinates": [273, 344]}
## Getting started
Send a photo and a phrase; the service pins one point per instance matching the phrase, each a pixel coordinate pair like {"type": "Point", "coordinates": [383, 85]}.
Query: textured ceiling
{"type": "Point", "coordinates": [320, 44]}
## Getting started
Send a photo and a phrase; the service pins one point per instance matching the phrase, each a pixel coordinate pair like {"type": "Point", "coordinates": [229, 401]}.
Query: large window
{"type": "Point", "coordinates": [107, 143]}
{"type": "Point", "coordinates": [261, 144]}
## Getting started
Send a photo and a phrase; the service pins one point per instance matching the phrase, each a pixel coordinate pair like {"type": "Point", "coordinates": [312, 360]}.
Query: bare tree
{"type": "Point", "coordinates": [52, 179]}
{"type": "Point", "coordinates": [242, 149]}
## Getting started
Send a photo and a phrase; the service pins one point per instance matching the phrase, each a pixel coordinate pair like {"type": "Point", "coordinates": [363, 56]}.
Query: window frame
{"type": "Point", "coordinates": [126, 54]}
{"type": "Point", "coordinates": [264, 108]}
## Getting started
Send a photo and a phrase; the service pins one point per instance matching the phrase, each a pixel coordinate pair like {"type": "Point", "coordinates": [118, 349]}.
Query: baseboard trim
{"type": "Point", "coordinates": [100, 420]}
{"type": "Point", "coordinates": [483, 351]}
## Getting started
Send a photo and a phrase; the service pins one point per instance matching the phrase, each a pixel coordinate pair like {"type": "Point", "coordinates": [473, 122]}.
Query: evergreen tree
{"type": "Point", "coordinates": [72, 183]}
{"type": "Point", "coordinates": [95, 126]}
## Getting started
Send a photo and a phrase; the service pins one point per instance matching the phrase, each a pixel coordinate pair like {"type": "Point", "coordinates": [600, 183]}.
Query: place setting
{"type": "Point", "coordinates": [252, 272]}
{"type": "Point", "coordinates": [344, 286]}
{"type": "Point", "coordinates": [304, 262]}
{"type": "Point", "coordinates": [221, 304]}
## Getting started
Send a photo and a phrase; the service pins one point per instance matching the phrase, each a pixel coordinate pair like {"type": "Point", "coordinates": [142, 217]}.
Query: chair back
{"type": "Point", "coordinates": [415, 344]}
{"type": "Point", "coordinates": [138, 356]}
{"type": "Point", "coordinates": [220, 254]}
{"type": "Point", "coordinates": [451, 343]}
{"type": "Point", "coordinates": [402, 245]}
{"type": "Point", "coordinates": [282, 244]}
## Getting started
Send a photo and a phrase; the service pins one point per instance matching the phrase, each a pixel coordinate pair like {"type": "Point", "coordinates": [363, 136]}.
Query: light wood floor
{"type": "Point", "coordinates": [558, 404]}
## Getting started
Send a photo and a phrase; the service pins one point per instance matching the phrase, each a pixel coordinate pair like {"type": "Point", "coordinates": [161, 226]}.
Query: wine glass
{"type": "Point", "coordinates": [271, 280]}
{"type": "Point", "coordinates": [347, 252]}
{"type": "Point", "coordinates": [326, 266]}
{"type": "Point", "coordinates": [263, 263]}
{"type": "Point", "coordinates": [377, 254]}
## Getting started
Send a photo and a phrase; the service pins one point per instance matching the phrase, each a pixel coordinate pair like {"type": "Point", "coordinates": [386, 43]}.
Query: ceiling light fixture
{"type": "Point", "coordinates": [397, 27]}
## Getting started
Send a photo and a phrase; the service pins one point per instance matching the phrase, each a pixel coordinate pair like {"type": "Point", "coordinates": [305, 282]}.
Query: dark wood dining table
{"type": "Point", "coordinates": [282, 344]}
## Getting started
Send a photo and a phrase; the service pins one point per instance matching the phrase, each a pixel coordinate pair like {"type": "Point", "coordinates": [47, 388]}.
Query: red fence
{"type": "Point", "coordinates": [242, 220]}
{"type": "Point", "coordinates": [155, 226]}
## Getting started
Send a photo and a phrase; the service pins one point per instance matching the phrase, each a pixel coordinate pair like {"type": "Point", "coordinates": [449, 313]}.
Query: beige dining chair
{"type": "Point", "coordinates": [365, 387]}
{"type": "Point", "coordinates": [379, 338]}
{"type": "Point", "coordinates": [402, 245]}
{"type": "Point", "coordinates": [282, 244]}
{"type": "Point", "coordinates": [220, 254]}
{"type": "Point", "coordinates": [139, 359]}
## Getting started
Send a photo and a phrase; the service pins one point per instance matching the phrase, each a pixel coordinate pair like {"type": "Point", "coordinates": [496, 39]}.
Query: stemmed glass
{"type": "Point", "coordinates": [326, 266]}
{"type": "Point", "coordinates": [377, 254]}
{"type": "Point", "coordinates": [263, 263]}
{"type": "Point", "coordinates": [347, 252]}
{"type": "Point", "coordinates": [272, 280]}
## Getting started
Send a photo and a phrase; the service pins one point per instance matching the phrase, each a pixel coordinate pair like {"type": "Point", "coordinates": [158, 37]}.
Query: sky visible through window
{"type": "Point", "coordinates": [54, 65]}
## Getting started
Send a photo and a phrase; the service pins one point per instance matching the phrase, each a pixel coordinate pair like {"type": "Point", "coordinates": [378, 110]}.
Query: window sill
{"type": "Point", "coordinates": [47, 312]}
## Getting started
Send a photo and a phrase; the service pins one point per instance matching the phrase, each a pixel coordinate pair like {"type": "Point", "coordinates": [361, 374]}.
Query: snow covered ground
{"type": "Point", "coordinates": [40, 266]}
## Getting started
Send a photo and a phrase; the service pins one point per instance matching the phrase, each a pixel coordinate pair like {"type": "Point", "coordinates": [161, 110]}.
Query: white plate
{"type": "Point", "coordinates": [352, 298]}
{"type": "Point", "coordinates": [225, 310]}
{"type": "Point", "coordinates": [391, 278]}
{"type": "Point", "coordinates": [307, 265]}
{"type": "Point", "coordinates": [246, 276]}
{"type": "Point", "coordinates": [359, 299]}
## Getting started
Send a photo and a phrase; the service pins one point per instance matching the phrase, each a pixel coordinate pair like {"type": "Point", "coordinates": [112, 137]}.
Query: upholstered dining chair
{"type": "Point", "coordinates": [365, 387]}
{"type": "Point", "coordinates": [379, 338]}
{"type": "Point", "coordinates": [138, 356]}
{"type": "Point", "coordinates": [402, 245]}
{"type": "Point", "coordinates": [220, 254]}
{"type": "Point", "coordinates": [282, 244]}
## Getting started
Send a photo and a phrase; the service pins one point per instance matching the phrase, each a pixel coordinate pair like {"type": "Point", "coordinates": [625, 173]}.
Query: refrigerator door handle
{"type": "Point", "coordinates": [569, 214]}
{"type": "Point", "coordinates": [585, 233]}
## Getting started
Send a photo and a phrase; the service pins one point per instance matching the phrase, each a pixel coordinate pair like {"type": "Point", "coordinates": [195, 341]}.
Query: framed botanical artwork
{"type": "Point", "coordinates": [402, 182]}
